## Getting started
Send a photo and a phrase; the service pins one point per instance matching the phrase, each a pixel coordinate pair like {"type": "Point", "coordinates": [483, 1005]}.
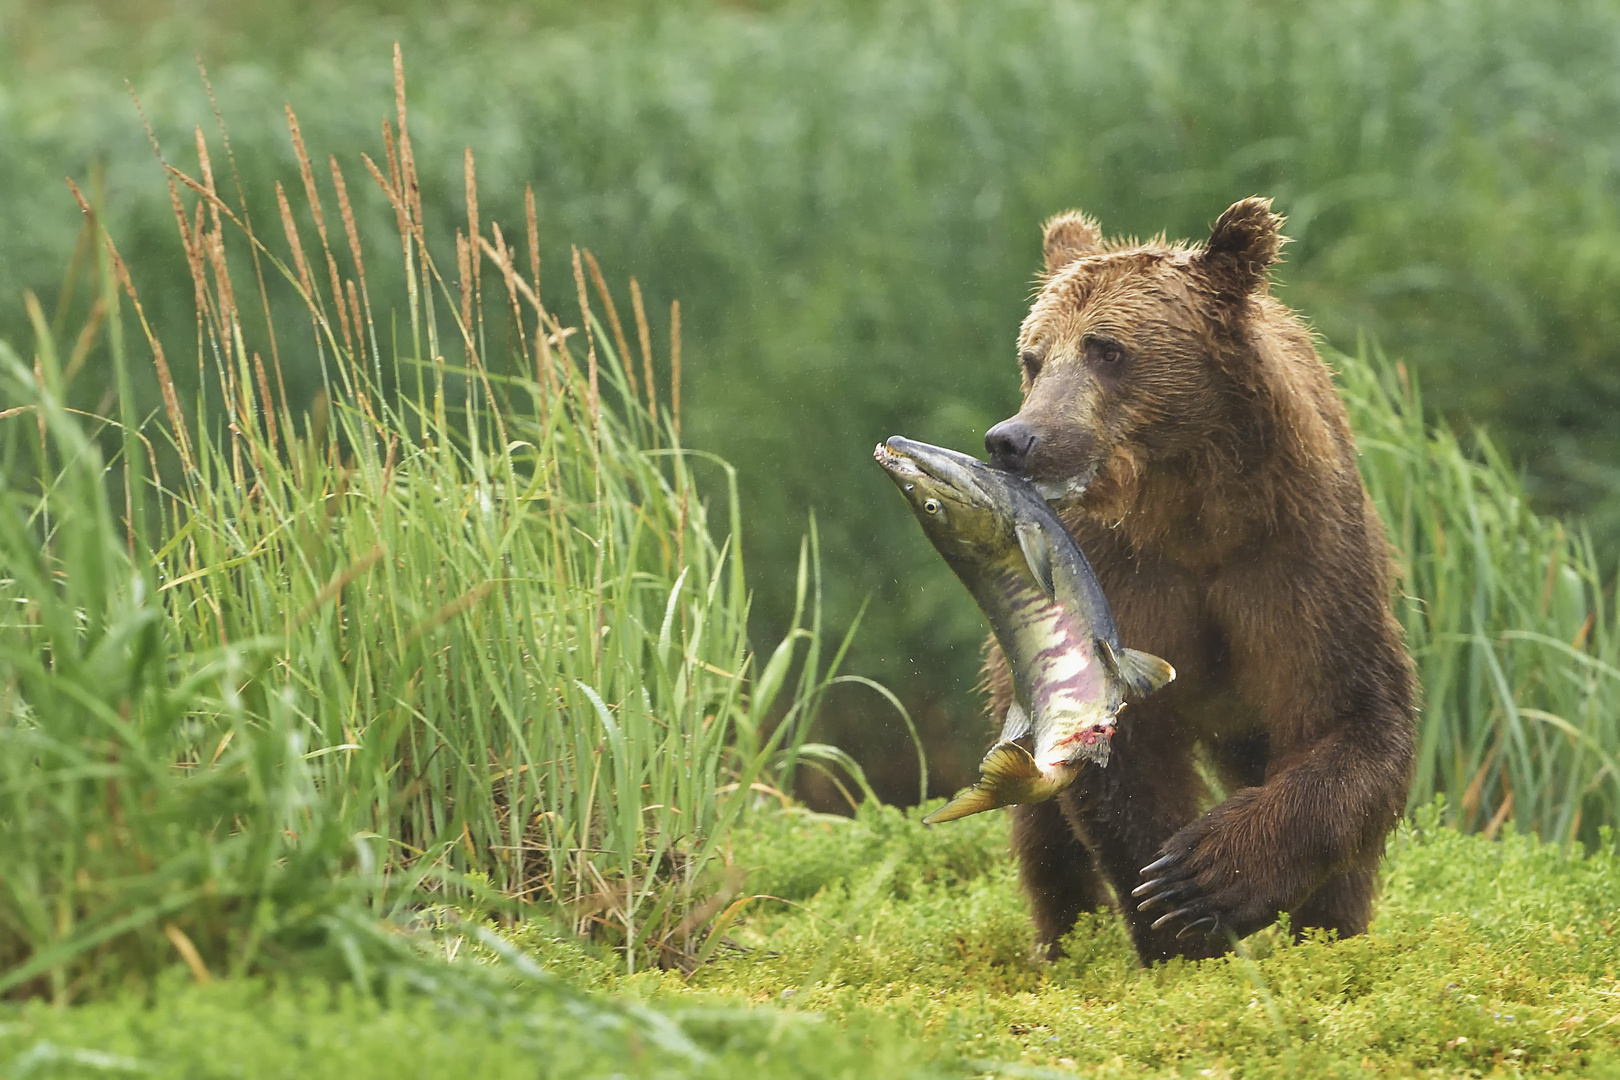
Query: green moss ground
{"type": "Point", "coordinates": [1486, 958]}
{"type": "Point", "coordinates": [895, 950]}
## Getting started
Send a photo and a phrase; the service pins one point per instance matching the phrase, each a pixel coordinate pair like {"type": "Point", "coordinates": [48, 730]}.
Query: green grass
{"type": "Point", "coordinates": [846, 198]}
{"type": "Point", "coordinates": [258, 1031]}
{"type": "Point", "coordinates": [1510, 619]}
{"type": "Point", "coordinates": [473, 639]}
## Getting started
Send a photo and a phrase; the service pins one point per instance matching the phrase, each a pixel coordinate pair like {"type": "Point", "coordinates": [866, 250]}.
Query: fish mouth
{"type": "Point", "coordinates": [894, 462]}
{"type": "Point", "coordinates": [906, 461]}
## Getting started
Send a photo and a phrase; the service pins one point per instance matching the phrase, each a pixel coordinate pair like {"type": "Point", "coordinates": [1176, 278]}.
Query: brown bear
{"type": "Point", "coordinates": [1180, 418]}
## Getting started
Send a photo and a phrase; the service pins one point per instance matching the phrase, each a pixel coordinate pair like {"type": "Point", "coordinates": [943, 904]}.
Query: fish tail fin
{"type": "Point", "coordinates": [1007, 761]}
{"type": "Point", "coordinates": [1000, 773]}
{"type": "Point", "coordinates": [974, 800]}
{"type": "Point", "coordinates": [1143, 672]}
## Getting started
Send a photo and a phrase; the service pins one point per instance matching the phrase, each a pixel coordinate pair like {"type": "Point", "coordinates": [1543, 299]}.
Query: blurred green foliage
{"type": "Point", "coordinates": [845, 197]}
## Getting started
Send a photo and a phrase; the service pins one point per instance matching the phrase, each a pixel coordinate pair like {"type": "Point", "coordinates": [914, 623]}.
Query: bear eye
{"type": "Point", "coordinates": [931, 505]}
{"type": "Point", "coordinates": [1105, 350]}
{"type": "Point", "coordinates": [1031, 362]}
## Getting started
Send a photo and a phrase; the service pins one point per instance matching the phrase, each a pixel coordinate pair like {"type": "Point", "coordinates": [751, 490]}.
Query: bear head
{"type": "Point", "coordinates": [1141, 359]}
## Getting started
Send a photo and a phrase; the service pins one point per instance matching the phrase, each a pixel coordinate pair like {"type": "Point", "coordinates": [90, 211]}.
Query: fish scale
{"type": "Point", "coordinates": [1071, 675]}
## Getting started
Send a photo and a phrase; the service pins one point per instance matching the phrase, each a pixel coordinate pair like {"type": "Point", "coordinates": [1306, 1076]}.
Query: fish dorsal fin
{"type": "Point", "coordinates": [1038, 553]}
{"type": "Point", "coordinates": [1017, 724]}
{"type": "Point", "coordinates": [1142, 673]}
{"type": "Point", "coordinates": [1004, 765]}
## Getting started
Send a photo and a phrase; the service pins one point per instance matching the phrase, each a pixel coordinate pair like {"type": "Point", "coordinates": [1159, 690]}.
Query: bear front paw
{"type": "Point", "coordinates": [1197, 889]}
{"type": "Point", "coordinates": [1172, 884]}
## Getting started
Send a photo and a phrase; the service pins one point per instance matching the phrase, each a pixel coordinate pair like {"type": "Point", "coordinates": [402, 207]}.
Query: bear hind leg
{"type": "Point", "coordinates": [1057, 871]}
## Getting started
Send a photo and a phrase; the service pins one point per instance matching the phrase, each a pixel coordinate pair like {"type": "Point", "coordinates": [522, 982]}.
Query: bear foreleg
{"type": "Point", "coordinates": [1267, 849]}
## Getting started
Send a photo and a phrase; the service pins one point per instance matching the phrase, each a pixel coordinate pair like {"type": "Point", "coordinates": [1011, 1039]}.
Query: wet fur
{"type": "Point", "coordinates": [1232, 535]}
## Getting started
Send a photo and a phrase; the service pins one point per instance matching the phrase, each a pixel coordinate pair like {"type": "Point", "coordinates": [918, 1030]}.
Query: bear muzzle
{"type": "Point", "coordinates": [1010, 444]}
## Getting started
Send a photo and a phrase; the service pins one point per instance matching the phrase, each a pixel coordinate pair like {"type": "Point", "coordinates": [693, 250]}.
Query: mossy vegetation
{"type": "Point", "coordinates": [887, 948]}
{"type": "Point", "coordinates": [1486, 956]}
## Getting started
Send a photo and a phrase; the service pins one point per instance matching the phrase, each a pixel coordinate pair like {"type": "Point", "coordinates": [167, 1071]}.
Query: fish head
{"type": "Point", "coordinates": [963, 504]}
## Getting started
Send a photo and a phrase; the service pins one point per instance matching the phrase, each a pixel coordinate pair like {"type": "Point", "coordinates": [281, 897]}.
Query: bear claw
{"type": "Point", "coordinates": [1148, 886]}
{"type": "Point", "coordinates": [1176, 914]}
{"type": "Point", "coordinates": [1174, 886]}
{"type": "Point", "coordinates": [1157, 865]}
{"type": "Point", "coordinates": [1171, 893]}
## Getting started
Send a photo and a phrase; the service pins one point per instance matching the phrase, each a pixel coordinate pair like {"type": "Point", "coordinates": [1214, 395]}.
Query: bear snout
{"type": "Point", "coordinates": [1010, 444]}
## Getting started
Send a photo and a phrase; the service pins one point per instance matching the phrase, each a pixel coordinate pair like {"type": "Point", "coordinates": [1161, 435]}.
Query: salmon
{"type": "Point", "coordinates": [1071, 675]}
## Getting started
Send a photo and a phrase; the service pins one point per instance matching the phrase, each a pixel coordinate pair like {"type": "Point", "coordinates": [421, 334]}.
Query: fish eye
{"type": "Point", "coordinates": [931, 505]}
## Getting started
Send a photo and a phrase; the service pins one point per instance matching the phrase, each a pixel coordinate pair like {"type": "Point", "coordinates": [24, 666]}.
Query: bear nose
{"type": "Point", "coordinates": [1010, 443]}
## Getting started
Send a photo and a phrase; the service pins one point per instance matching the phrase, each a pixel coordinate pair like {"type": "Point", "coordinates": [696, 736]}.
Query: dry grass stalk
{"type": "Point", "coordinates": [210, 196]}
{"type": "Point", "coordinates": [299, 262]}
{"type": "Point", "coordinates": [247, 225]}
{"type": "Point", "coordinates": [407, 159]}
{"type": "Point", "coordinates": [464, 281]}
{"type": "Point", "coordinates": [592, 399]}
{"type": "Point", "coordinates": [644, 336]}
{"type": "Point", "coordinates": [393, 186]}
{"type": "Point", "coordinates": [206, 167]}
{"type": "Point", "coordinates": [270, 411]}
{"type": "Point", "coordinates": [516, 286]}
{"type": "Point", "coordinates": [317, 211]}
{"type": "Point", "coordinates": [190, 242]}
{"type": "Point", "coordinates": [502, 256]}
{"type": "Point", "coordinates": [366, 332]}
{"type": "Point", "coordinates": [87, 337]}
{"type": "Point", "coordinates": [533, 222]}
{"type": "Point", "coordinates": [675, 364]}
{"type": "Point", "coordinates": [470, 181]}
{"type": "Point", "coordinates": [613, 322]}
{"type": "Point", "coordinates": [171, 399]}
{"type": "Point", "coordinates": [207, 323]}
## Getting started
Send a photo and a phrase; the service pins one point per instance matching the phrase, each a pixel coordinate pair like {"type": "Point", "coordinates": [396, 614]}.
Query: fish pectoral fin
{"type": "Point", "coordinates": [1017, 724]}
{"type": "Point", "coordinates": [1038, 554]}
{"type": "Point", "coordinates": [1142, 673]}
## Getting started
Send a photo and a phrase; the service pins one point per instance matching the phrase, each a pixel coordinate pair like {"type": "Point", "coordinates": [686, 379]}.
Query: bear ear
{"type": "Point", "coordinates": [1242, 246]}
{"type": "Point", "coordinates": [1067, 237]}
